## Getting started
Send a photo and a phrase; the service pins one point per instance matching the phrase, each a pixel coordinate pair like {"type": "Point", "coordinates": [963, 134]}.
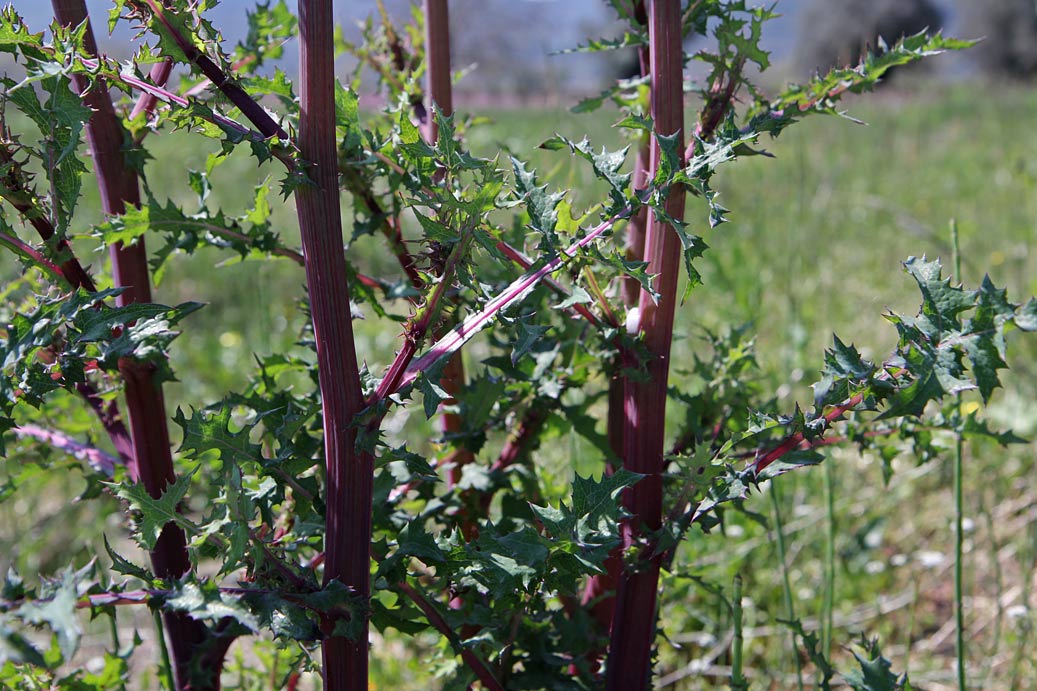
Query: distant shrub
{"type": "Point", "coordinates": [836, 32]}
{"type": "Point", "coordinates": [1010, 29]}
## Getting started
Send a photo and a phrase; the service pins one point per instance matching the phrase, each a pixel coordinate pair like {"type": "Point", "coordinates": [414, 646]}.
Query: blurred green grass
{"type": "Point", "coordinates": [813, 247]}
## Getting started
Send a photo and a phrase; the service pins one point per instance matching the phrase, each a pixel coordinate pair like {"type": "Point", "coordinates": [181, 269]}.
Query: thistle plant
{"type": "Point", "coordinates": [291, 507]}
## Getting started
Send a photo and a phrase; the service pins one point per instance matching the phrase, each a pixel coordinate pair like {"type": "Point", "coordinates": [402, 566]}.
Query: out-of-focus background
{"type": "Point", "coordinates": [813, 247]}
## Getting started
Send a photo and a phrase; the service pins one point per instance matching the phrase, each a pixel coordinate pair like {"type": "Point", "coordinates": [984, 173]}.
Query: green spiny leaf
{"type": "Point", "coordinates": [154, 514]}
{"type": "Point", "coordinates": [209, 430]}
{"type": "Point", "coordinates": [874, 673]}
{"type": "Point", "coordinates": [122, 565]}
{"type": "Point", "coordinates": [541, 205]}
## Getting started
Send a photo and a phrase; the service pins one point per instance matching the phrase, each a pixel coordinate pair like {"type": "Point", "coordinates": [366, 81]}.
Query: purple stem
{"type": "Point", "coordinates": [27, 250]}
{"type": "Point", "coordinates": [349, 472]}
{"type": "Point", "coordinates": [440, 94]}
{"type": "Point", "coordinates": [167, 96]}
{"type": "Point", "coordinates": [634, 617]}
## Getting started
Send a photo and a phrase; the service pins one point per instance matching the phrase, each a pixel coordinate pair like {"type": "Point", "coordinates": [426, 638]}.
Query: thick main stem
{"type": "Point", "coordinates": [439, 88]}
{"type": "Point", "coordinates": [599, 590]}
{"type": "Point", "coordinates": [440, 95]}
{"type": "Point", "coordinates": [152, 462]}
{"type": "Point", "coordinates": [349, 474]}
{"type": "Point", "coordinates": [633, 621]}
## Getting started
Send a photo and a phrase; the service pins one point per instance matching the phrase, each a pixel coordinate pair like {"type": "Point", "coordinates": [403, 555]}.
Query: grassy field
{"type": "Point", "coordinates": [813, 247]}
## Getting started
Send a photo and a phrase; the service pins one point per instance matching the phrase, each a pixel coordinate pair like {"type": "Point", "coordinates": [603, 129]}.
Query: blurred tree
{"type": "Point", "coordinates": [1010, 30]}
{"type": "Point", "coordinates": [836, 32]}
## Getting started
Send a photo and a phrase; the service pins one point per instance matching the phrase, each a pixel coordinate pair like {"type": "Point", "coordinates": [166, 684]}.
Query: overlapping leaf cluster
{"type": "Point", "coordinates": [60, 340]}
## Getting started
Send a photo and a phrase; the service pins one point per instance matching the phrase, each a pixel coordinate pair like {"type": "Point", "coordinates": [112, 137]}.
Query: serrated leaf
{"type": "Point", "coordinates": [595, 498]}
{"type": "Point", "coordinates": [347, 119]}
{"type": "Point", "coordinates": [415, 541]}
{"type": "Point", "coordinates": [1026, 317]}
{"type": "Point", "coordinates": [843, 372]}
{"type": "Point", "coordinates": [541, 205]}
{"type": "Point", "coordinates": [270, 26]}
{"type": "Point", "coordinates": [405, 466]}
{"type": "Point", "coordinates": [479, 398]}
{"type": "Point", "coordinates": [343, 603]}
{"type": "Point", "coordinates": [874, 673]}
{"type": "Point", "coordinates": [579, 296]}
{"type": "Point", "coordinates": [605, 164]}
{"type": "Point", "coordinates": [812, 647]}
{"type": "Point", "coordinates": [697, 472]}
{"type": "Point", "coordinates": [629, 39]}
{"type": "Point", "coordinates": [124, 566]}
{"type": "Point", "coordinates": [942, 302]}
{"type": "Point", "coordinates": [434, 230]}
{"type": "Point", "coordinates": [154, 514]}
{"type": "Point", "coordinates": [529, 336]}
{"type": "Point", "coordinates": [594, 503]}
{"type": "Point", "coordinates": [973, 427]}
{"type": "Point", "coordinates": [284, 617]}
{"type": "Point", "coordinates": [821, 93]}
{"type": "Point", "coordinates": [61, 118]}
{"type": "Point", "coordinates": [432, 393]}
{"type": "Point", "coordinates": [209, 430]}
{"type": "Point", "coordinates": [669, 159]}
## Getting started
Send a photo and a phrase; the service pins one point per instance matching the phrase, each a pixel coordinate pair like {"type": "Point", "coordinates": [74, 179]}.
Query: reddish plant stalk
{"type": "Point", "coordinates": [525, 262]}
{"type": "Point", "coordinates": [519, 444]}
{"type": "Point", "coordinates": [418, 327]}
{"type": "Point", "coordinates": [98, 460]}
{"type": "Point", "coordinates": [473, 324]}
{"type": "Point", "coordinates": [635, 230]}
{"type": "Point", "coordinates": [356, 186]}
{"type": "Point", "coordinates": [597, 592]}
{"type": "Point", "coordinates": [349, 473]}
{"type": "Point", "coordinates": [131, 81]}
{"type": "Point", "coordinates": [794, 441]}
{"type": "Point", "coordinates": [633, 621]}
{"type": "Point", "coordinates": [439, 91]}
{"type": "Point", "coordinates": [437, 64]}
{"type": "Point", "coordinates": [28, 251]}
{"type": "Point", "coordinates": [152, 462]}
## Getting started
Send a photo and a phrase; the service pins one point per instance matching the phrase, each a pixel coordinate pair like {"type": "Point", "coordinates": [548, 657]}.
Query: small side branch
{"type": "Point", "coordinates": [245, 103]}
{"type": "Point", "coordinates": [483, 672]}
{"type": "Point", "coordinates": [518, 288]}
{"type": "Point", "coordinates": [100, 461]}
{"type": "Point", "coordinates": [159, 75]}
